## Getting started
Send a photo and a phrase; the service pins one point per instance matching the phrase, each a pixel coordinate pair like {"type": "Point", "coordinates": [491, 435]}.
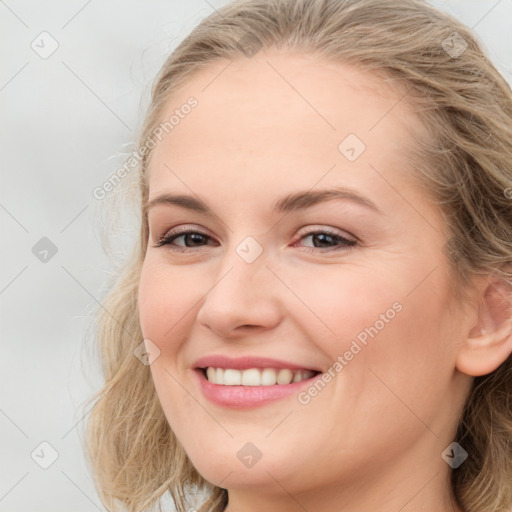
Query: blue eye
{"type": "Point", "coordinates": [334, 240]}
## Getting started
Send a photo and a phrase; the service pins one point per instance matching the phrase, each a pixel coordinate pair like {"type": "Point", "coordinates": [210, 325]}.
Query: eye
{"type": "Point", "coordinates": [189, 235]}
{"type": "Point", "coordinates": [193, 238]}
{"type": "Point", "coordinates": [334, 240]}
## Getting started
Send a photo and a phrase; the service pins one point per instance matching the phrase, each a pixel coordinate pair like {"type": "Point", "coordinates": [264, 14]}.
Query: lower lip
{"type": "Point", "coordinates": [240, 397]}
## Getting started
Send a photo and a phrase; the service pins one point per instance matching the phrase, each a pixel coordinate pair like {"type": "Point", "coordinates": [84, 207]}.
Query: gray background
{"type": "Point", "coordinates": [67, 121]}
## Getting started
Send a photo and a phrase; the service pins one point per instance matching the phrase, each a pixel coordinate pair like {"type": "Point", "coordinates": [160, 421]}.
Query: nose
{"type": "Point", "coordinates": [243, 298]}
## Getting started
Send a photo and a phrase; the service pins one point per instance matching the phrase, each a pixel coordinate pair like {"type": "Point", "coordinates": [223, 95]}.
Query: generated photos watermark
{"type": "Point", "coordinates": [157, 134]}
{"type": "Point", "coordinates": [357, 345]}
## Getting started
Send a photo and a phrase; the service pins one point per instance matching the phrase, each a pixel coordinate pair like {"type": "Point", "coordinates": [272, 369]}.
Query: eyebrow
{"type": "Point", "coordinates": [292, 202]}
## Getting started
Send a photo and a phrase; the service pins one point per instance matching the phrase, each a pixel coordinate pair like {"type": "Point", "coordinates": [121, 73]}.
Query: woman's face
{"type": "Point", "coordinates": [353, 285]}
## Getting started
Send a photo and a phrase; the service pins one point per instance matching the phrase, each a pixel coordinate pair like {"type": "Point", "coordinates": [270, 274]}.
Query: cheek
{"type": "Point", "coordinates": [394, 337]}
{"type": "Point", "coordinates": [347, 305]}
{"type": "Point", "coordinates": [164, 302]}
{"type": "Point", "coordinates": [165, 317]}
{"type": "Point", "coordinates": [409, 363]}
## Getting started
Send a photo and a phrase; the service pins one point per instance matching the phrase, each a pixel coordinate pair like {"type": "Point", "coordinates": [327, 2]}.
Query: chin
{"type": "Point", "coordinates": [231, 474]}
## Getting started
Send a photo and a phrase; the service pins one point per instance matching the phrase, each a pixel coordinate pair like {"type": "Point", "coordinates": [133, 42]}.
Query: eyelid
{"type": "Point", "coordinates": [181, 228]}
{"type": "Point", "coordinates": [345, 242]}
{"type": "Point", "coordinates": [308, 230]}
{"type": "Point", "coordinates": [176, 231]}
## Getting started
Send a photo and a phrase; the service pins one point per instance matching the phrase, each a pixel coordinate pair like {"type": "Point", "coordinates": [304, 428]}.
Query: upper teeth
{"type": "Point", "coordinates": [256, 376]}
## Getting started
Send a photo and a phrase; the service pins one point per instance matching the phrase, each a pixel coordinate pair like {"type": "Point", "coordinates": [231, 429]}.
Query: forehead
{"type": "Point", "coordinates": [285, 118]}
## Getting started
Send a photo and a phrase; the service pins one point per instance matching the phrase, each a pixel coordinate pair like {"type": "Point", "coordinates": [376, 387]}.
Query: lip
{"type": "Point", "coordinates": [245, 397]}
{"type": "Point", "coordinates": [246, 362]}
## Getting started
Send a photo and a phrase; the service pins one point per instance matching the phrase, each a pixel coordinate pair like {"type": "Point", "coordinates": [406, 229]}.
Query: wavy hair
{"type": "Point", "coordinates": [465, 165]}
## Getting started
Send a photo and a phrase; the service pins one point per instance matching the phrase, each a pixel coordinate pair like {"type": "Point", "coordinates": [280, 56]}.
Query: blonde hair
{"type": "Point", "coordinates": [465, 164]}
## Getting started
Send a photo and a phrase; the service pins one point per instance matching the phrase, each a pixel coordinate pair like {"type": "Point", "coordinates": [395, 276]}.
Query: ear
{"type": "Point", "coordinates": [489, 341]}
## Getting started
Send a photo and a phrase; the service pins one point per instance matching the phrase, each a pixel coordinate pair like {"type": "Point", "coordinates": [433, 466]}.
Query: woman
{"type": "Point", "coordinates": [317, 314]}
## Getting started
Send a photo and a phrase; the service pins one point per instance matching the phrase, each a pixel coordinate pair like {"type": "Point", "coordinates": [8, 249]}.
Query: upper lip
{"type": "Point", "coordinates": [246, 362]}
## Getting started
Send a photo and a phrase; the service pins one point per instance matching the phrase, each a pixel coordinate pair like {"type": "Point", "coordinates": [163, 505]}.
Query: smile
{"type": "Point", "coordinates": [250, 381]}
{"type": "Point", "coordinates": [256, 376]}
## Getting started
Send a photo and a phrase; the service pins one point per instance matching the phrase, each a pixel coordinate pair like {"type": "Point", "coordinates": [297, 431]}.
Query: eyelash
{"type": "Point", "coordinates": [170, 237]}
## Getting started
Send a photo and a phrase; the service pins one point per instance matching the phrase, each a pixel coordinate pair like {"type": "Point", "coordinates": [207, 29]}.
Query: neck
{"type": "Point", "coordinates": [416, 500]}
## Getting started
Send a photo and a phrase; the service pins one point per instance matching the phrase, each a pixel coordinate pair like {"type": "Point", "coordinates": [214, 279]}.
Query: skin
{"type": "Point", "coordinates": [372, 439]}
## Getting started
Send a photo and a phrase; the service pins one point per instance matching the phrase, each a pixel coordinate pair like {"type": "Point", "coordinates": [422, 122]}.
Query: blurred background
{"type": "Point", "coordinates": [74, 84]}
